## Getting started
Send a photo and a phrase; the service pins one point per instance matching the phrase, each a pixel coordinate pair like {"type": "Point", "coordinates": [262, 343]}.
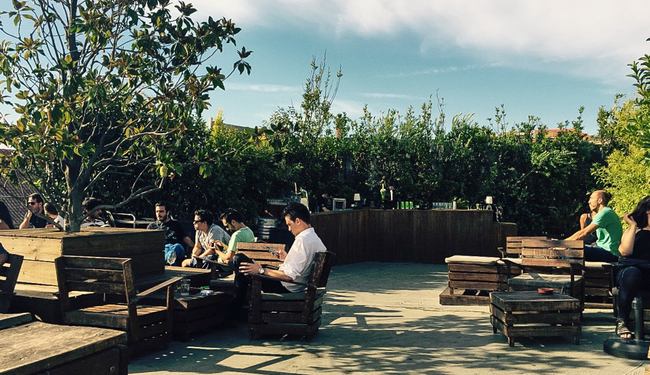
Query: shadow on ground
{"type": "Point", "coordinates": [384, 318]}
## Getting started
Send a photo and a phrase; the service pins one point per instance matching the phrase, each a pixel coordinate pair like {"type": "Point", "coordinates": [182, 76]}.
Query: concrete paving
{"type": "Point", "coordinates": [385, 318]}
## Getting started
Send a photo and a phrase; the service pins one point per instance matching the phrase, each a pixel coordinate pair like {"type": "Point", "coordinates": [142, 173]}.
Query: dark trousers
{"type": "Point", "coordinates": [598, 254]}
{"type": "Point", "coordinates": [242, 281]}
{"type": "Point", "coordinates": [630, 281]}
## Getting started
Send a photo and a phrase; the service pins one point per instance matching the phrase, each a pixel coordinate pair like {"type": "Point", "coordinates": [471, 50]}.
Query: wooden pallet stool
{"type": "Point", "coordinates": [472, 278]}
{"type": "Point", "coordinates": [598, 291]}
{"type": "Point", "coordinates": [530, 314]}
{"type": "Point", "coordinates": [199, 312]}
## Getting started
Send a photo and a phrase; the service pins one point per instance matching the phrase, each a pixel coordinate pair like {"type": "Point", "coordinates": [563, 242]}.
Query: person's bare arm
{"type": "Point", "coordinates": [626, 248]}
{"type": "Point", "coordinates": [583, 220]}
{"type": "Point", "coordinates": [582, 233]}
{"type": "Point", "coordinates": [25, 223]}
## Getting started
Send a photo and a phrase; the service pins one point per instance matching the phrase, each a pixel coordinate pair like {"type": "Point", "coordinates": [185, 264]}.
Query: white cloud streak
{"type": "Point", "coordinates": [263, 88]}
{"type": "Point", "coordinates": [589, 38]}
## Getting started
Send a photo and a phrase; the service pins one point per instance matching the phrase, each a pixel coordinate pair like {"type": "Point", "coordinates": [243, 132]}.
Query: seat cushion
{"type": "Point", "coordinates": [471, 259]}
{"type": "Point", "coordinates": [297, 296]}
{"type": "Point", "coordinates": [596, 265]}
{"type": "Point", "coordinates": [532, 281]}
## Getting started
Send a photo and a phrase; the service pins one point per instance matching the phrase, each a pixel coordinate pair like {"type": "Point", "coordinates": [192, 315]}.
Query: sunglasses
{"type": "Point", "coordinates": [197, 221]}
{"type": "Point", "coordinates": [32, 203]}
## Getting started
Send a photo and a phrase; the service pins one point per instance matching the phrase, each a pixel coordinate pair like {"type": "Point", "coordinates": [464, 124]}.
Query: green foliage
{"type": "Point", "coordinates": [627, 177]}
{"type": "Point", "coordinates": [103, 89]}
{"type": "Point", "coordinates": [626, 130]}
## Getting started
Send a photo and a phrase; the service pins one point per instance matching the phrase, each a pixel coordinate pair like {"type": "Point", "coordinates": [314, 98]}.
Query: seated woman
{"type": "Point", "coordinates": [635, 262]}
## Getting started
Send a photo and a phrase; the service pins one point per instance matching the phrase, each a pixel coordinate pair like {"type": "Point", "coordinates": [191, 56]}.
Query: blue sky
{"type": "Point", "coordinates": [536, 57]}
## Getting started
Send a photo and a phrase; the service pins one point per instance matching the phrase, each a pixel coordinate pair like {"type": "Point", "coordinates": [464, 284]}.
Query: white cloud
{"type": "Point", "coordinates": [262, 87]}
{"type": "Point", "coordinates": [590, 38]}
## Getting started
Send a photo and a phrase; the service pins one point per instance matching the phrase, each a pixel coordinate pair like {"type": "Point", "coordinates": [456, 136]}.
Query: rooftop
{"type": "Point", "coordinates": [385, 318]}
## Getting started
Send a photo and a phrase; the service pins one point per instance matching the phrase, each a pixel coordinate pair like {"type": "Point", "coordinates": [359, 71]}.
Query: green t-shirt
{"type": "Point", "coordinates": [244, 234]}
{"type": "Point", "coordinates": [609, 230]}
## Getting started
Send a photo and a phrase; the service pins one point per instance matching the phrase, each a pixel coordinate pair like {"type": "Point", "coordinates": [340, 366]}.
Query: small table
{"type": "Point", "coordinates": [530, 314]}
{"type": "Point", "coordinates": [36, 347]}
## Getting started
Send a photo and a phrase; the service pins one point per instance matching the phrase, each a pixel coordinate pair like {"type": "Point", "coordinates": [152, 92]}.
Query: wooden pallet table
{"type": "Point", "coordinates": [530, 314]}
{"type": "Point", "coordinates": [36, 347]}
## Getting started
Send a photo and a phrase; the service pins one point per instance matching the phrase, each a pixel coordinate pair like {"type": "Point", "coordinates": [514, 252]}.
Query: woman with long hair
{"type": "Point", "coordinates": [635, 262]}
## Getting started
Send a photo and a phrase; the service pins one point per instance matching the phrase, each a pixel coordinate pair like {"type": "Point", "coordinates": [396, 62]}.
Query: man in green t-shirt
{"type": "Point", "coordinates": [607, 226]}
{"type": "Point", "coordinates": [233, 221]}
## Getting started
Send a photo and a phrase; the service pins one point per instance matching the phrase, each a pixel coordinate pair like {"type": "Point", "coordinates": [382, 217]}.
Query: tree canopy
{"type": "Point", "coordinates": [103, 89]}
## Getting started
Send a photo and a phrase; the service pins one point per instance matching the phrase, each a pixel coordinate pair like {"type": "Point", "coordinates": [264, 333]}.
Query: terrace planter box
{"type": "Point", "coordinates": [40, 247]}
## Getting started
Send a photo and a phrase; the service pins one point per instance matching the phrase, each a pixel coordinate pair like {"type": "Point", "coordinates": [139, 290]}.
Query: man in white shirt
{"type": "Point", "coordinates": [298, 262]}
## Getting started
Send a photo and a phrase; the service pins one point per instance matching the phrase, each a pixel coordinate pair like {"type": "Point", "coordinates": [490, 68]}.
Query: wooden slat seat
{"type": "Point", "coordinates": [147, 327]}
{"type": "Point", "coordinates": [262, 252]}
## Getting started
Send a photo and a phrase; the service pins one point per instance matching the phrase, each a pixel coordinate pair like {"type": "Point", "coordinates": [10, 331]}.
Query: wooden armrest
{"type": "Point", "coordinates": [156, 288]}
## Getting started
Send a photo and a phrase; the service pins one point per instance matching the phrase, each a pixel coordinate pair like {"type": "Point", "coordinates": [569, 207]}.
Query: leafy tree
{"type": "Point", "coordinates": [102, 88]}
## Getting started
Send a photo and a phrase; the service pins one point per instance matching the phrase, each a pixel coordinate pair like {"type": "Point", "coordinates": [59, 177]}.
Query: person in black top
{"type": "Point", "coordinates": [34, 217]}
{"type": "Point", "coordinates": [175, 236]}
{"type": "Point", "coordinates": [4, 255]}
{"type": "Point", "coordinates": [5, 217]}
{"type": "Point", "coordinates": [634, 274]}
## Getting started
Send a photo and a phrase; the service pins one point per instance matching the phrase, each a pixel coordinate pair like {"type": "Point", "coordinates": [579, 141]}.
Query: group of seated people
{"type": "Point", "coordinates": [41, 214]}
{"type": "Point", "coordinates": [214, 247]}
{"type": "Point", "coordinates": [630, 250]}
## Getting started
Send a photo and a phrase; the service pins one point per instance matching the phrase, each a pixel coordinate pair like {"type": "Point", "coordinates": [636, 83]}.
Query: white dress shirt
{"type": "Point", "coordinates": [299, 262]}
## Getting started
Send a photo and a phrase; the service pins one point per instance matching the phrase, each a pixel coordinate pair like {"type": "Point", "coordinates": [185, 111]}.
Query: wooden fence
{"type": "Point", "coordinates": [422, 236]}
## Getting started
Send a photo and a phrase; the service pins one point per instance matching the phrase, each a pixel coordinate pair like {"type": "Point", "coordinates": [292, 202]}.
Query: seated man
{"type": "Point", "coordinates": [608, 230]}
{"type": "Point", "coordinates": [175, 236]}
{"type": "Point", "coordinates": [207, 233]}
{"type": "Point", "coordinates": [233, 221]}
{"type": "Point", "coordinates": [95, 216]}
{"type": "Point", "coordinates": [34, 217]}
{"type": "Point", "coordinates": [298, 263]}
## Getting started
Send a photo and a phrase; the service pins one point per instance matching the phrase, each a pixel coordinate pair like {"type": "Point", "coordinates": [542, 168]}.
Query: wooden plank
{"type": "Point", "coordinates": [564, 263]}
{"type": "Point", "coordinates": [533, 301]}
{"type": "Point", "coordinates": [286, 328]}
{"type": "Point", "coordinates": [458, 267]}
{"type": "Point", "coordinates": [96, 287]}
{"type": "Point", "coordinates": [25, 352]}
{"type": "Point", "coordinates": [463, 298]}
{"type": "Point", "coordinates": [528, 318]}
{"type": "Point", "coordinates": [475, 285]}
{"type": "Point", "coordinates": [291, 317]}
{"type": "Point", "coordinates": [107, 362]}
{"type": "Point", "coordinates": [94, 262]}
{"type": "Point", "coordinates": [473, 276]}
{"type": "Point", "coordinates": [11, 320]}
{"type": "Point", "coordinates": [80, 274]}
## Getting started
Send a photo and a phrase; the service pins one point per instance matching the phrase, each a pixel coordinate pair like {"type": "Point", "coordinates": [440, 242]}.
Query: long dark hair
{"type": "Point", "coordinates": [640, 212]}
{"type": "Point", "coordinates": [5, 216]}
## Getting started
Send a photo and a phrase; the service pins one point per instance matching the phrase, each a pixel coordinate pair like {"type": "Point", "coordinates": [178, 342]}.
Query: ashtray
{"type": "Point", "coordinates": [545, 290]}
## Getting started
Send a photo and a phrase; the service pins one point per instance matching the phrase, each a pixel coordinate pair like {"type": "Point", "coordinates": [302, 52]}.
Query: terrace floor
{"type": "Point", "coordinates": [385, 318]}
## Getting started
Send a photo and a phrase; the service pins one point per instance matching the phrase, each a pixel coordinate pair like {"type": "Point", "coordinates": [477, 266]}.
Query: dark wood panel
{"type": "Point", "coordinates": [423, 236]}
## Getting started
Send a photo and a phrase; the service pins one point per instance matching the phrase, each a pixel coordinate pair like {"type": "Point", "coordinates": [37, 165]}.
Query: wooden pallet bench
{"type": "Point", "coordinates": [472, 278]}
{"type": "Point", "coordinates": [40, 348]}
